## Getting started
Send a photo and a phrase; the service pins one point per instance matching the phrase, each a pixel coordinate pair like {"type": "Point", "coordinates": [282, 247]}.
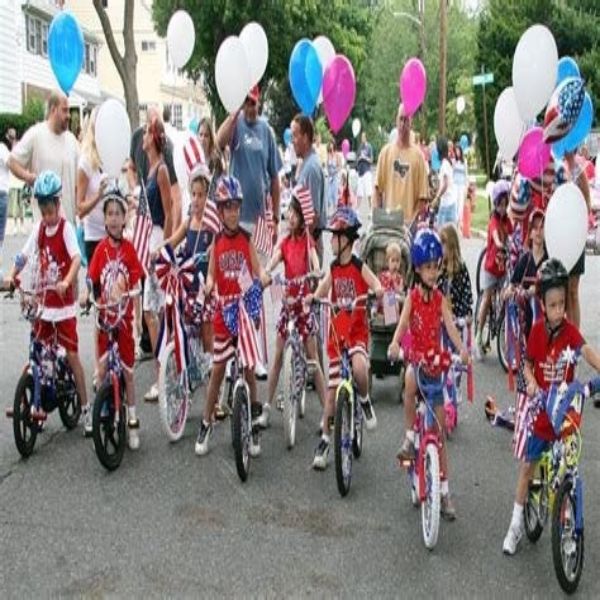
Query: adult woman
{"type": "Point", "coordinates": [158, 194]}
{"type": "Point", "coordinates": [214, 159]}
{"type": "Point", "coordinates": [333, 168]}
{"type": "Point", "coordinates": [4, 181]}
{"type": "Point", "coordinates": [460, 179]}
{"type": "Point", "coordinates": [445, 195]}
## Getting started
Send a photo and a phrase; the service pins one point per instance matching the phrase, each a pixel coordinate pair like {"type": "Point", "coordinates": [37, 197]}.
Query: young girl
{"type": "Point", "coordinates": [345, 198]}
{"type": "Point", "coordinates": [348, 278]}
{"type": "Point", "coordinates": [423, 313]}
{"type": "Point", "coordinates": [392, 278]}
{"type": "Point", "coordinates": [233, 254]}
{"type": "Point", "coordinates": [299, 255]}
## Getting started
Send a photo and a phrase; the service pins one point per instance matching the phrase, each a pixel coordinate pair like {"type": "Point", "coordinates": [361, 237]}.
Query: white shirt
{"type": "Point", "coordinates": [4, 172]}
{"type": "Point", "coordinates": [93, 222]}
{"type": "Point", "coordinates": [40, 149]}
{"type": "Point", "coordinates": [447, 199]}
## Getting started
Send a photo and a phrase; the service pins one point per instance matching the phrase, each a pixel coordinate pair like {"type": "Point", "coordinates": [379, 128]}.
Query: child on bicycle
{"type": "Point", "coordinates": [54, 242]}
{"type": "Point", "coordinates": [348, 278]}
{"type": "Point", "coordinates": [233, 256]}
{"type": "Point", "coordinates": [494, 268]}
{"type": "Point", "coordinates": [423, 313]}
{"type": "Point", "coordinates": [550, 336]}
{"type": "Point", "coordinates": [116, 270]}
{"type": "Point", "coordinates": [299, 255]}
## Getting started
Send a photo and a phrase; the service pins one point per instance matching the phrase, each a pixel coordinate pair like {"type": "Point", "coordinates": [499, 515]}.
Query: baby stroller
{"type": "Point", "coordinates": [386, 227]}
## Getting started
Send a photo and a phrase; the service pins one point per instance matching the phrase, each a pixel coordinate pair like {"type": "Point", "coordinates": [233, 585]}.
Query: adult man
{"type": "Point", "coordinates": [365, 162]}
{"type": "Point", "coordinates": [255, 159]}
{"type": "Point", "coordinates": [49, 145]}
{"type": "Point", "coordinates": [311, 174]}
{"type": "Point", "coordinates": [401, 179]}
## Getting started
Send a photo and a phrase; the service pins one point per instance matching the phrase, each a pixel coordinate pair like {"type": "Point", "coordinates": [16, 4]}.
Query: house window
{"type": "Point", "coordinates": [93, 61]}
{"type": "Point", "coordinates": [177, 116]}
{"type": "Point", "coordinates": [37, 35]}
{"type": "Point", "coordinates": [44, 39]}
{"type": "Point", "coordinates": [30, 26]}
{"type": "Point", "coordinates": [148, 46]}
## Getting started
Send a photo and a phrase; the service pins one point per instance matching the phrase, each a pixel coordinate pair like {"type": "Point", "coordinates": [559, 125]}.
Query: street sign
{"type": "Point", "coordinates": [483, 79]}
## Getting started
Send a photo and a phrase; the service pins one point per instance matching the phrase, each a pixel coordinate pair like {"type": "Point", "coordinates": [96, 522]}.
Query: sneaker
{"type": "Point", "coordinates": [279, 404]}
{"type": "Point", "coordinates": [87, 421]}
{"type": "Point", "coordinates": [261, 372]}
{"type": "Point", "coordinates": [201, 447]}
{"type": "Point", "coordinates": [407, 451]}
{"type": "Point", "coordinates": [133, 436]}
{"type": "Point", "coordinates": [254, 449]}
{"type": "Point", "coordinates": [263, 419]}
{"type": "Point", "coordinates": [370, 418]}
{"type": "Point", "coordinates": [512, 539]}
{"type": "Point", "coordinates": [321, 455]}
{"type": "Point", "coordinates": [447, 509]}
{"type": "Point", "coordinates": [152, 394]}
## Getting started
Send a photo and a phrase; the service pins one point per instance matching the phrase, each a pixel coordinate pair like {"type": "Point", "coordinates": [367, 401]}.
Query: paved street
{"type": "Point", "coordinates": [168, 523]}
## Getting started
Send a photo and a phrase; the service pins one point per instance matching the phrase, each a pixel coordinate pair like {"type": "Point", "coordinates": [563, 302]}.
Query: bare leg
{"type": "Point", "coordinates": [276, 368]}
{"type": "Point", "coordinates": [212, 393]}
{"type": "Point", "coordinates": [410, 393]}
{"type": "Point", "coordinates": [310, 347]}
{"type": "Point", "coordinates": [78, 374]}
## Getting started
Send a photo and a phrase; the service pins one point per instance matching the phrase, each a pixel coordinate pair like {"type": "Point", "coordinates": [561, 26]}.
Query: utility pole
{"type": "Point", "coordinates": [443, 61]}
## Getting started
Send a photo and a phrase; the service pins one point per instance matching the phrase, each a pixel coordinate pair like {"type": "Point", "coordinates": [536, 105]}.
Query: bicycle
{"type": "Point", "coordinates": [109, 419]}
{"type": "Point", "coordinates": [423, 470]}
{"type": "Point", "coordinates": [348, 421]}
{"type": "Point", "coordinates": [557, 486]}
{"type": "Point", "coordinates": [46, 382]}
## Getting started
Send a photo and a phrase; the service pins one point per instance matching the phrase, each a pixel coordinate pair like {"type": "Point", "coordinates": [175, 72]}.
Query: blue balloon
{"type": "Point", "coordinates": [580, 130]}
{"type": "Point", "coordinates": [305, 75]}
{"type": "Point", "coordinates": [464, 142]}
{"type": "Point", "coordinates": [287, 137]}
{"type": "Point", "coordinates": [435, 160]}
{"type": "Point", "coordinates": [193, 125]}
{"type": "Point", "coordinates": [567, 67]}
{"type": "Point", "coordinates": [65, 49]}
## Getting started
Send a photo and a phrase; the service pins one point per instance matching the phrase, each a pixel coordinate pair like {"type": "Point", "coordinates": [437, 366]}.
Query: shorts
{"type": "Point", "coordinates": [306, 322]}
{"type": "Point", "coordinates": [125, 341]}
{"type": "Point", "coordinates": [66, 333]}
{"type": "Point", "coordinates": [335, 364]}
{"type": "Point", "coordinates": [154, 297]}
{"type": "Point", "coordinates": [224, 349]}
{"type": "Point", "coordinates": [490, 281]}
{"type": "Point", "coordinates": [527, 446]}
{"type": "Point", "coordinates": [365, 185]}
{"type": "Point", "coordinates": [579, 268]}
{"type": "Point", "coordinates": [424, 379]}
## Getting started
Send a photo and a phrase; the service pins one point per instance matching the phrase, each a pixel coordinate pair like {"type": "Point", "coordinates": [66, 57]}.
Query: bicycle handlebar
{"type": "Point", "coordinates": [350, 306]}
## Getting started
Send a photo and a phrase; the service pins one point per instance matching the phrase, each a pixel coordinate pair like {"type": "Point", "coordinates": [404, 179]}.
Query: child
{"type": "Point", "coordinates": [55, 242]}
{"type": "Point", "coordinates": [494, 268]}
{"type": "Point", "coordinates": [550, 336]}
{"type": "Point", "coordinates": [233, 253]}
{"type": "Point", "coordinates": [114, 270]}
{"type": "Point", "coordinates": [469, 208]}
{"type": "Point", "coordinates": [423, 313]}
{"type": "Point", "coordinates": [391, 278]}
{"type": "Point", "coordinates": [423, 219]}
{"type": "Point", "coordinates": [348, 278]}
{"type": "Point", "coordinates": [298, 253]}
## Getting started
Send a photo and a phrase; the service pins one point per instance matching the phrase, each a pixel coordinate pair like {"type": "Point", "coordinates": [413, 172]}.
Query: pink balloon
{"type": "Point", "coordinates": [534, 154]}
{"type": "Point", "coordinates": [413, 85]}
{"type": "Point", "coordinates": [345, 147]}
{"type": "Point", "coordinates": [339, 91]}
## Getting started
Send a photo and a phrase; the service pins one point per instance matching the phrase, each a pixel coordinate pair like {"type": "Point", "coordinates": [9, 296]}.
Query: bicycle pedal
{"type": "Point", "coordinates": [9, 412]}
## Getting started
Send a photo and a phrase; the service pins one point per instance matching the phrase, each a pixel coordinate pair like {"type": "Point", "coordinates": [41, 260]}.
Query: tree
{"type": "Point", "coordinates": [126, 63]}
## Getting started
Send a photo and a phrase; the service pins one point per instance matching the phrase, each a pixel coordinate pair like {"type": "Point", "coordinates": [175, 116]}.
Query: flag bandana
{"type": "Point", "coordinates": [563, 109]}
{"type": "Point", "coordinates": [304, 197]}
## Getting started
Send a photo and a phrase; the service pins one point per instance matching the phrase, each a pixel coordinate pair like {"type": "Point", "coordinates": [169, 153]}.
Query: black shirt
{"type": "Point", "coordinates": [139, 157]}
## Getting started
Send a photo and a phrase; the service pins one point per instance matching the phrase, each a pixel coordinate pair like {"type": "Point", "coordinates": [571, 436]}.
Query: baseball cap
{"type": "Point", "coordinates": [254, 93]}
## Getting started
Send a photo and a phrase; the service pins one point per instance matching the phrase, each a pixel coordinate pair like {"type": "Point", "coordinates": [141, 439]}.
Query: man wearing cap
{"type": "Point", "coordinates": [255, 160]}
{"type": "Point", "coordinates": [401, 178]}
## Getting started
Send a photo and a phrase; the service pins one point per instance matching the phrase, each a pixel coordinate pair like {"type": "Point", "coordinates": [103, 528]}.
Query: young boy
{"type": "Point", "coordinates": [233, 254]}
{"type": "Point", "coordinates": [114, 270]}
{"type": "Point", "coordinates": [550, 336]}
{"type": "Point", "coordinates": [54, 242]}
{"type": "Point", "coordinates": [348, 278]}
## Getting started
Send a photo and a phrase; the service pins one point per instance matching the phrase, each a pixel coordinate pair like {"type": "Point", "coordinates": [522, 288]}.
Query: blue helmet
{"type": "Point", "coordinates": [344, 221]}
{"type": "Point", "coordinates": [500, 191]}
{"type": "Point", "coordinates": [426, 248]}
{"type": "Point", "coordinates": [47, 187]}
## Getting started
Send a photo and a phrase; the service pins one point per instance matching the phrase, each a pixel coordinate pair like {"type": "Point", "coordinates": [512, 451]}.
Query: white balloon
{"type": "Point", "coordinates": [460, 105]}
{"type": "Point", "coordinates": [181, 37]}
{"type": "Point", "coordinates": [534, 70]}
{"type": "Point", "coordinates": [113, 136]}
{"type": "Point", "coordinates": [566, 224]}
{"type": "Point", "coordinates": [326, 53]}
{"type": "Point", "coordinates": [355, 127]}
{"type": "Point", "coordinates": [232, 73]}
{"type": "Point", "coordinates": [508, 126]}
{"type": "Point", "coordinates": [255, 42]}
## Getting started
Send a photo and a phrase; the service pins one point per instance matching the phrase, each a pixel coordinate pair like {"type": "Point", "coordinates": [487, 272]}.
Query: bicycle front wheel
{"type": "Point", "coordinates": [109, 430]}
{"type": "Point", "coordinates": [69, 403]}
{"type": "Point", "coordinates": [173, 396]}
{"type": "Point", "coordinates": [343, 441]}
{"type": "Point", "coordinates": [290, 404]}
{"type": "Point", "coordinates": [430, 508]}
{"type": "Point", "coordinates": [567, 542]}
{"type": "Point", "coordinates": [535, 511]}
{"type": "Point", "coordinates": [479, 273]}
{"type": "Point", "coordinates": [242, 430]}
{"type": "Point", "coordinates": [25, 429]}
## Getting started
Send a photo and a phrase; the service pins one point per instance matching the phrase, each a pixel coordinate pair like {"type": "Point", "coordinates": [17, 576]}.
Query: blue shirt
{"type": "Point", "coordinates": [255, 161]}
{"type": "Point", "coordinates": [311, 177]}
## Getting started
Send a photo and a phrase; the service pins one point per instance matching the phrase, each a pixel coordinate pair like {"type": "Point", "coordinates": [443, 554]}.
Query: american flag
{"type": "Point", "coordinates": [563, 109]}
{"type": "Point", "coordinates": [247, 339]}
{"type": "Point", "coordinates": [210, 218]}
{"type": "Point", "coordinates": [142, 229]}
{"type": "Point", "coordinates": [192, 153]}
{"type": "Point", "coordinates": [263, 234]}
{"type": "Point", "coordinates": [304, 197]}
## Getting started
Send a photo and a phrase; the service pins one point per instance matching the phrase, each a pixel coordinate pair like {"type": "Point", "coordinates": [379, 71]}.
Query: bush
{"type": "Point", "coordinates": [33, 112]}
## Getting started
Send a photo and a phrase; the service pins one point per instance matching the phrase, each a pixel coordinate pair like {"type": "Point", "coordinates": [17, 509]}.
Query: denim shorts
{"type": "Point", "coordinates": [423, 380]}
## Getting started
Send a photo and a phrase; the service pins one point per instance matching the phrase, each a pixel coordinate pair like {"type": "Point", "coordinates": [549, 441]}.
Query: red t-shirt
{"type": "Point", "coordinates": [425, 323]}
{"type": "Point", "coordinates": [231, 253]}
{"type": "Point", "coordinates": [294, 251]}
{"type": "Point", "coordinates": [495, 260]}
{"type": "Point", "coordinates": [544, 353]}
{"type": "Point", "coordinates": [110, 264]}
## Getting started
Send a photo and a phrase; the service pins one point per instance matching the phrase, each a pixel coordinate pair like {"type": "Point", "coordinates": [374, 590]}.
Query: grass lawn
{"type": "Point", "coordinates": [481, 216]}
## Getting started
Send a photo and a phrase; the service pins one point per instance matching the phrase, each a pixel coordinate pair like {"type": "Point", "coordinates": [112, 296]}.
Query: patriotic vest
{"type": "Point", "coordinates": [55, 263]}
{"type": "Point", "coordinates": [425, 324]}
{"type": "Point", "coordinates": [230, 254]}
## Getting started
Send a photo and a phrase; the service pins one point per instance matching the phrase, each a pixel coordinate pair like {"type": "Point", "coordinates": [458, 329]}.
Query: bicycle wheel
{"type": "Point", "coordinates": [567, 543]}
{"type": "Point", "coordinates": [290, 405]}
{"type": "Point", "coordinates": [196, 373]}
{"type": "Point", "coordinates": [69, 403]}
{"type": "Point", "coordinates": [25, 430]}
{"type": "Point", "coordinates": [343, 442]}
{"type": "Point", "coordinates": [430, 508]}
{"type": "Point", "coordinates": [479, 274]}
{"type": "Point", "coordinates": [241, 432]}
{"type": "Point", "coordinates": [357, 441]}
{"type": "Point", "coordinates": [109, 430]}
{"type": "Point", "coordinates": [535, 511]}
{"type": "Point", "coordinates": [173, 396]}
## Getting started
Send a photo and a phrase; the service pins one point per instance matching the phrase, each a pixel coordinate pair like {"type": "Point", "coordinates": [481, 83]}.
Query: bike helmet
{"type": "Point", "coordinates": [536, 213]}
{"type": "Point", "coordinates": [552, 274]}
{"type": "Point", "coordinates": [520, 197]}
{"type": "Point", "coordinates": [114, 195]}
{"type": "Point", "coordinates": [426, 248]}
{"type": "Point", "coordinates": [228, 189]}
{"type": "Point", "coordinates": [344, 222]}
{"type": "Point", "coordinates": [500, 191]}
{"type": "Point", "coordinates": [47, 187]}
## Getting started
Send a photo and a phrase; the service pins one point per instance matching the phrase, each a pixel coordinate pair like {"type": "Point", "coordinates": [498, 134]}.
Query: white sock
{"type": "Point", "coordinates": [444, 488]}
{"type": "Point", "coordinates": [325, 438]}
{"type": "Point", "coordinates": [131, 410]}
{"type": "Point", "coordinates": [410, 435]}
{"type": "Point", "coordinates": [363, 399]}
{"type": "Point", "coordinates": [517, 516]}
